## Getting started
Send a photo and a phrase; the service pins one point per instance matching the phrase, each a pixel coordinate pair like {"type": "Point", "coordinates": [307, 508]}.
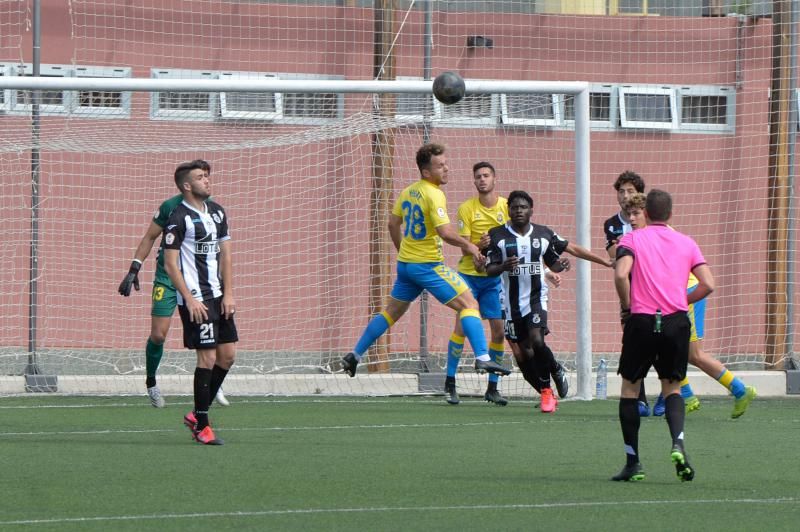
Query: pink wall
{"type": "Point", "coordinates": [100, 236]}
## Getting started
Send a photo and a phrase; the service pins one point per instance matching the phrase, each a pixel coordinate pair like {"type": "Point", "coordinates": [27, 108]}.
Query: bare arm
{"type": "Point", "coordinates": [226, 265]}
{"type": "Point", "coordinates": [197, 310]}
{"type": "Point", "coordinates": [583, 253]}
{"type": "Point", "coordinates": [146, 244]}
{"type": "Point", "coordinates": [622, 280]}
{"type": "Point", "coordinates": [705, 283]}
{"type": "Point", "coordinates": [447, 233]}
{"type": "Point", "coordinates": [396, 230]}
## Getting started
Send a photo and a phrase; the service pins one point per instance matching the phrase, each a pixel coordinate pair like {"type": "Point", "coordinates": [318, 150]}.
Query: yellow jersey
{"type": "Point", "coordinates": [473, 221]}
{"type": "Point", "coordinates": [423, 207]}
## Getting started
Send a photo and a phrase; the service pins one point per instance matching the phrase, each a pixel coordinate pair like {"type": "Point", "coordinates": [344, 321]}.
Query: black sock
{"type": "Point", "coordinates": [449, 381]}
{"type": "Point", "coordinates": [492, 387]}
{"type": "Point", "coordinates": [529, 373]}
{"type": "Point", "coordinates": [642, 393]}
{"type": "Point", "coordinates": [202, 398]}
{"type": "Point", "coordinates": [150, 381]}
{"type": "Point", "coordinates": [217, 376]}
{"type": "Point", "coordinates": [629, 420]}
{"type": "Point", "coordinates": [674, 410]}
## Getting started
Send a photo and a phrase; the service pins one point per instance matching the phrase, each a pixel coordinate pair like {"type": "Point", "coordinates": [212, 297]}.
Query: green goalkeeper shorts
{"type": "Point", "coordinates": [165, 299]}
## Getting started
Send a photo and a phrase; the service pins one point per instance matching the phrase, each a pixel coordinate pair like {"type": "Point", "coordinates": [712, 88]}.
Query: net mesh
{"type": "Point", "coordinates": [679, 98]}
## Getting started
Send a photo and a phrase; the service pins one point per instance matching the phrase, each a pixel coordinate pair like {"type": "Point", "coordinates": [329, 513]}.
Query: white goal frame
{"type": "Point", "coordinates": [580, 90]}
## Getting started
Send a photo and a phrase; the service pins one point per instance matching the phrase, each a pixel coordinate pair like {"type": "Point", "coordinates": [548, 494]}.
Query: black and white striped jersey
{"type": "Point", "coordinates": [197, 235]}
{"type": "Point", "coordinates": [537, 248]}
{"type": "Point", "coordinates": [614, 228]}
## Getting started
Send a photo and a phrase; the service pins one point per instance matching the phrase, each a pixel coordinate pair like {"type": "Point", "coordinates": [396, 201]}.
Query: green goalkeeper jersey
{"type": "Point", "coordinates": [160, 218]}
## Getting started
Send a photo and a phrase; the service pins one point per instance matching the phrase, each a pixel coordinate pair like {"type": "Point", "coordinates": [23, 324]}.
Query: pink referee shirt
{"type": "Point", "coordinates": [662, 261]}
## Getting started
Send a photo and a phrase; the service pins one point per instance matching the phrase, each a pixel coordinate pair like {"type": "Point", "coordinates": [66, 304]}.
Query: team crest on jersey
{"type": "Point", "coordinates": [169, 239]}
{"type": "Point", "coordinates": [217, 217]}
{"type": "Point", "coordinates": [535, 244]}
{"type": "Point", "coordinates": [536, 318]}
{"type": "Point", "coordinates": [500, 217]}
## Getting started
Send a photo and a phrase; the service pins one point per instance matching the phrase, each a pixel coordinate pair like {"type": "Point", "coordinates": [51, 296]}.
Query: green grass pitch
{"type": "Point", "coordinates": [397, 463]}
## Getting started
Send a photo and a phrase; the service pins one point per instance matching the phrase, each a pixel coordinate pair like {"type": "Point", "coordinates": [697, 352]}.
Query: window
{"type": "Point", "coordinates": [250, 105]}
{"type": "Point", "coordinates": [4, 94]}
{"type": "Point", "coordinates": [474, 110]}
{"type": "Point", "coordinates": [311, 109]}
{"type": "Point", "coordinates": [707, 108]}
{"type": "Point", "coordinates": [532, 109]}
{"type": "Point", "coordinates": [647, 107]}
{"type": "Point", "coordinates": [603, 110]}
{"type": "Point", "coordinates": [98, 103]}
{"type": "Point", "coordinates": [413, 107]}
{"type": "Point", "coordinates": [50, 101]}
{"type": "Point", "coordinates": [179, 105]}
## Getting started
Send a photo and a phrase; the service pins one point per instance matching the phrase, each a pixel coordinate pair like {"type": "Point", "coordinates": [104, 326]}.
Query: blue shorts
{"type": "Point", "coordinates": [444, 283]}
{"type": "Point", "coordinates": [487, 291]}
{"type": "Point", "coordinates": [697, 317]}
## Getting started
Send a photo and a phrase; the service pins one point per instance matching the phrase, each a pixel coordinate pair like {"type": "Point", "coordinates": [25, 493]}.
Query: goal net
{"type": "Point", "coordinates": [307, 178]}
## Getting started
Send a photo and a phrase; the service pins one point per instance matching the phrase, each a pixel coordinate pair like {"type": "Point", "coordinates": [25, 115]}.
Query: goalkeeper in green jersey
{"type": "Point", "coordinates": [164, 298]}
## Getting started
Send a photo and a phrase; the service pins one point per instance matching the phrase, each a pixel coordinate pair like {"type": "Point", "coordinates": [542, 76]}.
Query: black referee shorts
{"type": "Point", "coordinates": [667, 351]}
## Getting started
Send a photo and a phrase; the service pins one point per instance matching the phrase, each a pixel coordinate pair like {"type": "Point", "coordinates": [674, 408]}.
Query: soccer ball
{"type": "Point", "coordinates": [448, 87]}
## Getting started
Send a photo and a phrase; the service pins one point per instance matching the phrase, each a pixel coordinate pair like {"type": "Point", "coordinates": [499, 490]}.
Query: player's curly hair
{"type": "Point", "coordinates": [630, 177]}
{"type": "Point", "coordinates": [635, 201]}
{"type": "Point", "coordinates": [426, 153]}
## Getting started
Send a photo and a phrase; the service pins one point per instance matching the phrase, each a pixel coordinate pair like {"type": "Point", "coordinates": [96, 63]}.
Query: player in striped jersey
{"type": "Point", "coordinates": [197, 258]}
{"type": "Point", "coordinates": [520, 250]}
{"type": "Point", "coordinates": [163, 297]}
{"type": "Point", "coordinates": [418, 225]}
{"type": "Point", "coordinates": [627, 184]}
{"type": "Point", "coordinates": [476, 217]}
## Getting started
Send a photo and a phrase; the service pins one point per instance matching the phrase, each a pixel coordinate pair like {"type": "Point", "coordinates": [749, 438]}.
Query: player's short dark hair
{"type": "Point", "coordinates": [482, 164]}
{"type": "Point", "coordinates": [630, 177]}
{"type": "Point", "coordinates": [426, 153]}
{"type": "Point", "coordinates": [635, 201]}
{"type": "Point", "coordinates": [184, 169]}
{"type": "Point", "coordinates": [520, 194]}
{"type": "Point", "coordinates": [659, 205]}
{"type": "Point", "coordinates": [206, 167]}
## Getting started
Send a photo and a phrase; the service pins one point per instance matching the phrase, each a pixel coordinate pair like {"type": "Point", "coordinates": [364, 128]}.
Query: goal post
{"type": "Point", "coordinates": [295, 193]}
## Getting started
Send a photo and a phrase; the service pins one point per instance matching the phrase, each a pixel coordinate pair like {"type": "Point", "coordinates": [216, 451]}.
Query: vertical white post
{"type": "Point", "coordinates": [583, 293]}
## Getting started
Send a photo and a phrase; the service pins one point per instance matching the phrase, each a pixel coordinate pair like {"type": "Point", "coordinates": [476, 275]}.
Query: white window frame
{"type": "Point", "coordinates": [439, 110]}
{"type": "Point", "coordinates": [730, 107]}
{"type": "Point", "coordinates": [15, 107]}
{"type": "Point", "coordinates": [123, 111]}
{"type": "Point", "coordinates": [648, 90]}
{"type": "Point", "coordinates": [6, 93]}
{"type": "Point", "coordinates": [226, 113]}
{"type": "Point", "coordinates": [556, 104]}
{"type": "Point", "coordinates": [613, 108]}
{"type": "Point", "coordinates": [156, 113]}
{"type": "Point", "coordinates": [414, 118]}
{"type": "Point", "coordinates": [310, 120]}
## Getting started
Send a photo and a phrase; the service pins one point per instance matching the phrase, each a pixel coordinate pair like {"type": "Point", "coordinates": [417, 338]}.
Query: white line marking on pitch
{"type": "Point", "coordinates": [301, 511]}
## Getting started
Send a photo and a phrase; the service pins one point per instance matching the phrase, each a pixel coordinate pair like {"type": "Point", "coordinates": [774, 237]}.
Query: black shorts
{"type": "Point", "coordinates": [667, 351]}
{"type": "Point", "coordinates": [212, 332]}
{"type": "Point", "coordinates": [517, 330]}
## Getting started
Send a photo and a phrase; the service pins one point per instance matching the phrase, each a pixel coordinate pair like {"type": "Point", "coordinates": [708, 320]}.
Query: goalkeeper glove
{"type": "Point", "coordinates": [131, 279]}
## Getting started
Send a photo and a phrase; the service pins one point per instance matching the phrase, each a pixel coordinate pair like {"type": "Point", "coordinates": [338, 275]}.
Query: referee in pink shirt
{"type": "Point", "coordinates": [650, 275]}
